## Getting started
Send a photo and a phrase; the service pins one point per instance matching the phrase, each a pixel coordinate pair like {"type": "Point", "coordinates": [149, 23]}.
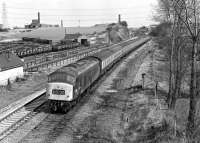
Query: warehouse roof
{"type": "Point", "coordinates": [9, 61]}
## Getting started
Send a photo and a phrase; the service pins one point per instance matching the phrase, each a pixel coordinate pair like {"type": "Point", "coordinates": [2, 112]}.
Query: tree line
{"type": "Point", "coordinates": [178, 32]}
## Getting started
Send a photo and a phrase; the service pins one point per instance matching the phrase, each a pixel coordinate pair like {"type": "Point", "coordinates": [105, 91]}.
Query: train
{"type": "Point", "coordinates": [66, 85]}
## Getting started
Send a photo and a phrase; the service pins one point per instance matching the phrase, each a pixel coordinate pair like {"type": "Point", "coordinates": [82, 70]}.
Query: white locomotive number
{"type": "Point", "coordinates": [58, 92]}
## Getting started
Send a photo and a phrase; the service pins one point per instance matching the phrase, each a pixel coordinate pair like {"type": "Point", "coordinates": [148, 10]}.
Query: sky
{"type": "Point", "coordinates": [79, 12]}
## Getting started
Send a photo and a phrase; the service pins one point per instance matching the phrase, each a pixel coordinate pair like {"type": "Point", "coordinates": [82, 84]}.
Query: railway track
{"type": "Point", "coordinates": [61, 53]}
{"type": "Point", "coordinates": [67, 59]}
{"type": "Point", "coordinates": [56, 55]}
{"type": "Point", "coordinates": [16, 114]}
{"type": "Point", "coordinates": [60, 57]}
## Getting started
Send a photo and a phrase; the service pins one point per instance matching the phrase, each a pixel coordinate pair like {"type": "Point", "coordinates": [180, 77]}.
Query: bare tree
{"type": "Point", "coordinates": [188, 13]}
{"type": "Point", "coordinates": [166, 13]}
{"type": "Point", "coordinates": [185, 29]}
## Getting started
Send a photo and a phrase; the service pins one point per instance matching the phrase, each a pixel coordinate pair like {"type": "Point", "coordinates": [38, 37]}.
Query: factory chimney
{"type": "Point", "coordinates": [39, 17]}
{"type": "Point", "coordinates": [119, 18]}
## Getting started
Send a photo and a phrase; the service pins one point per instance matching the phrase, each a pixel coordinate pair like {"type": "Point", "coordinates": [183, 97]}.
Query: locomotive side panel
{"type": "Point", "coordinates": [86, 78]}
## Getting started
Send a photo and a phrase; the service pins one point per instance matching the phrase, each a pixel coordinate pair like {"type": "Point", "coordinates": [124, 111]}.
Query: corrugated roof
{"type": "Point", "coordinates": [9, 61]}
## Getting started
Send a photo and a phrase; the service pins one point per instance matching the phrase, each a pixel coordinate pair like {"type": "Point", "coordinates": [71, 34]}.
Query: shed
{"type": "Point", "coordinates": [11, 67]}
{"type": "Point", "coordinates": [83, 40]}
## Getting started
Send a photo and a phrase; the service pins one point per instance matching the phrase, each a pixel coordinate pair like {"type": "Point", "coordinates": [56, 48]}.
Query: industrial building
{"type": "Point", "coordinates": [36, 24]}
{"type": "Point", "coordinates": [11, 67]}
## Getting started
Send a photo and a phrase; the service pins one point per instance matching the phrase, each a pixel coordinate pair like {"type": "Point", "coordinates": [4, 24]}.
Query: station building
{"type": "Point", "coordinates": [11, 67]}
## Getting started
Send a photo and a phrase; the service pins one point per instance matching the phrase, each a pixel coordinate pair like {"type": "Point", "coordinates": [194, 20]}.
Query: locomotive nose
{"type": "Point", "coordinates": [60, 91]}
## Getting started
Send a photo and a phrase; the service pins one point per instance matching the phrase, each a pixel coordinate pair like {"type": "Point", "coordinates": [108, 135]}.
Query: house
{"type": "Point", "coordinates": [11, 67]}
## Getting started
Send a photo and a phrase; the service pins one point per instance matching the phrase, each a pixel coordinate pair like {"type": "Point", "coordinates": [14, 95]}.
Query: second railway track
{"type": "Point", "coordinates": [16, 114]}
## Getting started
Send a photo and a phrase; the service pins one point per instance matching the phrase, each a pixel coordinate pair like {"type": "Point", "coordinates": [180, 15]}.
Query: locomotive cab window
{"type": "Point", "coordinates": [61, 78]}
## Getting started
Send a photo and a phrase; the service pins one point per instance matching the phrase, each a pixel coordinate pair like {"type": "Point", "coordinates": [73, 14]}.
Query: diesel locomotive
{"type": "Point", "coordinates": [66, 85]}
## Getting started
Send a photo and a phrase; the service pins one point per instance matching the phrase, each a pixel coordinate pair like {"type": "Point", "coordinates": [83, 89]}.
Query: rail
{"type": "Point", "coordinates": [4, 112]}
{"type": "Point", "coordinates": [15, 114]}
{"type": "Point", "coordinates": [58, 62]}
{"type": "Point", "coordinates": [32, 67]}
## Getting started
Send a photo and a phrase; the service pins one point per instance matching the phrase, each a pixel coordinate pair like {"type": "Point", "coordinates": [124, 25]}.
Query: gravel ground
{"type": "Point", "coordinates": [115, 111]}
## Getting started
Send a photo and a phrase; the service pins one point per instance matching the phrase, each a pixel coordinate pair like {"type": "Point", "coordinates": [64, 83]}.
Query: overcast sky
{"type": "Point", "coordinates": [83, 12]}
